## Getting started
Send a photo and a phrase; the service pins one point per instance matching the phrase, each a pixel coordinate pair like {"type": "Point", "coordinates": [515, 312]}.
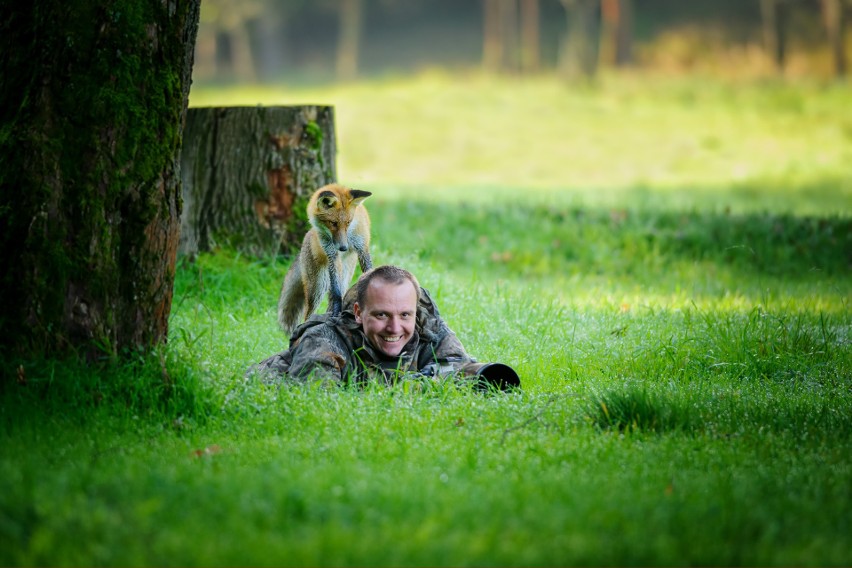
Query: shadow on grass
{"type": "Point", "coordinates": [634, 408]}
{"type": "Point", "coordinates": [516, 239]}
{"type": "Point", "coordinates": [153, 384]}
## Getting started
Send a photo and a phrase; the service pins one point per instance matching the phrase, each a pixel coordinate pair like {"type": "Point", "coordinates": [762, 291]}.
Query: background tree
{"type": "Point", "coordinates": [492, 36]}
{"type": "Point", "coordinates": [349, 38]}
{"type": "Point", "coordinates": [834, 17]}
{"type": "Point", "coordinates": [774, 15]}
{"type": "Point", "coordinates": [501, 49]}
{"type": "Point", "coordinates": [228, 46]}
{"type": "Point", "coordinates": [617, 32]}
{"type": "Point", "coordinates": [578, 55]}
{"type": "Point", "coordinates": [530, 36]}
{"type": "Point", "coordinates": [93, 99]}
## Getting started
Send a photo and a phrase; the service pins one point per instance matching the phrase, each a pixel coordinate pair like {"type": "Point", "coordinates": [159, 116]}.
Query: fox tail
{"type": "Point", "coordinates": [291, 303]}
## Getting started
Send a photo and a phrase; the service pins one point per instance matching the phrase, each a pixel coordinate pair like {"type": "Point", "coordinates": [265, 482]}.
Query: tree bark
{"type": "Point", "coordinates": [248, 173]}
{"type": "Point", "coordinates": [93, 99]}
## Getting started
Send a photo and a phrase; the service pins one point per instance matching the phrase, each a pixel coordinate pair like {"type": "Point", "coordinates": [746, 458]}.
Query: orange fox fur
{"type": "Point", "coordinates": [339, 235]}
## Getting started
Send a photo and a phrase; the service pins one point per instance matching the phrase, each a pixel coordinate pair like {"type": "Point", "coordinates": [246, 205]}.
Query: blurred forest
{"type": "Point", "coordinates": [323, 40]}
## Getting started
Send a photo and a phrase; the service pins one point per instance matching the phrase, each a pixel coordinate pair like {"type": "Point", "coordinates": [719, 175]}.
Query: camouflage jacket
{"type": "Point", "coordinates": [335, 349]}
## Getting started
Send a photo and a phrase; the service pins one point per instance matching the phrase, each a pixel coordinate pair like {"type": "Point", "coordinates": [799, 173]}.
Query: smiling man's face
{"type": "Point", "coordinates": [388, 315]}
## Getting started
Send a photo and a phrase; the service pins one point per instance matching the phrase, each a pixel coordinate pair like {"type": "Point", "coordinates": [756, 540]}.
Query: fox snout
{"type": "Point", "coordinates": [340, 241]}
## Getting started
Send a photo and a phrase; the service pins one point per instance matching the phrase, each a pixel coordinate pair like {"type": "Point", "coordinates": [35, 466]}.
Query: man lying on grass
{"type": "Point", "coordinates": [389, 328]}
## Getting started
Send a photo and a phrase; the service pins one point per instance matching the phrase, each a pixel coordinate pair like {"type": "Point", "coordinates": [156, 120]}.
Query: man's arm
{"type": "Point", "coordinates": [443, 354]}
{"type": "Point", "coordinates": [450, 349]}
{"type": "Point", "coordinates": [320, 355]}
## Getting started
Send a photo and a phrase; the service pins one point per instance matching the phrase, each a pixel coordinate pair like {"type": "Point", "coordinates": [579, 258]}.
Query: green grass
{"type": "Point", "coordinates": [683, 342]}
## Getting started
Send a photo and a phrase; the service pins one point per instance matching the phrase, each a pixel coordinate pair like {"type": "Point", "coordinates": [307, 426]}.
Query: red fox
{"type": "Point", "coordinates": [339, 234]}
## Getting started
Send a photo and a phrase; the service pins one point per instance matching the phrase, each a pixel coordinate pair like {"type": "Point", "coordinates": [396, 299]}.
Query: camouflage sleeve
{"type": "Point", "coordinates": [451, 350]}
{"type": "Point", "coordinates": [444, 354]}
{"type": "Point", "coordinates": [272, 368]}
{"type": "Point", "coordinates": [319, 355]}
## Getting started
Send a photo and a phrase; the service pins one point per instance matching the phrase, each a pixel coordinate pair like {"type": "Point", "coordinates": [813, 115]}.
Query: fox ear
{"type": "Point", "coordinates": [359, 195]}
{"type": "Point", "coordinates": [327, 199]}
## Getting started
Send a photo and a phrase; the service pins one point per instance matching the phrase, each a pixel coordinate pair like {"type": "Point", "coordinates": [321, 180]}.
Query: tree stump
{"type": "Point", "coordinates": [248, 173]}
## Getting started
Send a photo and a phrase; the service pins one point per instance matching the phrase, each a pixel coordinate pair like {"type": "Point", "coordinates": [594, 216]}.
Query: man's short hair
{"type": "Point", "coordinates": [387, 273]}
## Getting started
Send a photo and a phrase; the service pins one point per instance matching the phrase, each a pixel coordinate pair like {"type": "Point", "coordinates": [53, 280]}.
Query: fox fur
{"type": "Point", "coordinates": [339, 236]}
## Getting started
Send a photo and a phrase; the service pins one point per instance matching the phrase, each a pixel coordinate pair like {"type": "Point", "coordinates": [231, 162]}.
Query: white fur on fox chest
{"type": "Point", "coordinates": [323, 248]}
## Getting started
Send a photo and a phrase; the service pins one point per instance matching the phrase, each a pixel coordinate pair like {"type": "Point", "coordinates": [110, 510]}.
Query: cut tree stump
{"type": "Point", "coordinates": [247, 175]}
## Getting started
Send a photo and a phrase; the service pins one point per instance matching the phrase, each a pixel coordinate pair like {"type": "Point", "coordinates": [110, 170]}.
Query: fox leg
{"type": "Point", "coordinates": [360, 245]}
{"type": "Point", "coordinates": [336, 273]}
{"type": "Point", "coordinates": [365, 261]}
{"type": "Point", "coordinates": [315, 287]}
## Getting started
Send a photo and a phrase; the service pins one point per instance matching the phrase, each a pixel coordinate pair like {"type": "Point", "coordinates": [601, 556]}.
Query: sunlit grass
{"type": "Point", "coordinates": [670, 142]}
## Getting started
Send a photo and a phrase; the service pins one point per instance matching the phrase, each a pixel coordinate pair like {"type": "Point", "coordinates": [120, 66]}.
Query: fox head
{"type": "Point", "coordinates": [331, 211]}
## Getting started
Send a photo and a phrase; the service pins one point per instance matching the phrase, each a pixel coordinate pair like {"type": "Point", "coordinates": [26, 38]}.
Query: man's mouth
{"type": "Point", "coordinates": [390, 338]}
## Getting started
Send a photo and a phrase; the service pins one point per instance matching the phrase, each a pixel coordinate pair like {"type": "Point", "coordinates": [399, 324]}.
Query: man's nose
{"type": "Point", "coordinates": [394, 323]}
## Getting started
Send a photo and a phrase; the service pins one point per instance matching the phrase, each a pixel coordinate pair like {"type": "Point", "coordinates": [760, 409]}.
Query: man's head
{"type": "Point", "coordinates": [386, 307]}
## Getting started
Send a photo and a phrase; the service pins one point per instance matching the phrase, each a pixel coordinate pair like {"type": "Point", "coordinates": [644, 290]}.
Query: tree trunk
{"type": "Point", "coordinates": [242, 59]}
{"type": "Point", "coordinates": [349, 42]}
{"type": "Point", "coordinates": [530, 36]}
{"type": "Point", "coordinates": [578, 56]}
{"type": "Point", "coordinates": [206, 64]}
{"type": "Point", "coordinates": [492, 36]}
{"type": "Point", "coordinates": [93, 99]}
{"type": "Point", "coordinates": [774, 14]}
{"type": "Point", "coordinates": [509, 20]}
{"type": "Point", "coordinates": [835, 24]}
{"type": "Point", "coordinates": [500, 49]}
{"type": "Point", "coordinates": [247, 174]}
{"type": "Point", "coordinates": [272, 56]}
{"type": "Point", "coordinates": [617, 32]}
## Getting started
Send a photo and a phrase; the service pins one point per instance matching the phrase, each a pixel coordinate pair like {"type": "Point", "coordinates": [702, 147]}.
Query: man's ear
{"type": "Point", "coordinates": [356, 309]}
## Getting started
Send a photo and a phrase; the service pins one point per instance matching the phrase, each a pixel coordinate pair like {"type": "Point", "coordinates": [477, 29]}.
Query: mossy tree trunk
{"type": "Point", "coordinates": [93, 99]}
{"type": "Point", "coordinates": [248, 173]}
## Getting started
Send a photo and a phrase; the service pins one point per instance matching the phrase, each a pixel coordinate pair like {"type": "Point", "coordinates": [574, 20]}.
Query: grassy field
{"type": "Point", "coordinates": [665, 262]}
